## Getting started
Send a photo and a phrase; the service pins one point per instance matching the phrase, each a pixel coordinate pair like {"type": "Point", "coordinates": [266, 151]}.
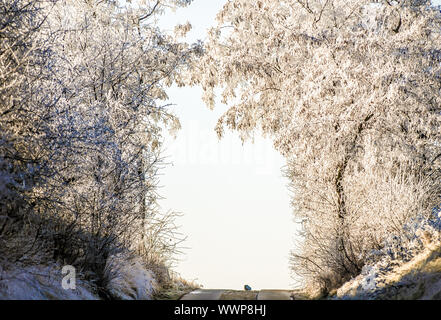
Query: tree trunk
{"type": "Point", "coordinates": [343, 244]}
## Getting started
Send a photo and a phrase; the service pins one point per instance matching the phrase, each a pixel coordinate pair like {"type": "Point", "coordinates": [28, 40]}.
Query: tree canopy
{"type": "Point", "coordinates": [350, 94]}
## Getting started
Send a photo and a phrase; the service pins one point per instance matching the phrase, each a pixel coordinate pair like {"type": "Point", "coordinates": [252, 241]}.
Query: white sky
{"type": "Point", "coordinates": [234, 199]}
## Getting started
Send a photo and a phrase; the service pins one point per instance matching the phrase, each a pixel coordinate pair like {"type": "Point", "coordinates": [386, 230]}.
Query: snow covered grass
{"type": "Point", "coordinates": [407, 267]}
{"type": "Point", "coordinates": [40, 282]}
{"type": "Point", "coordinates": [128, 279]}
{"type": "Point", "coordinates": [174, 288]}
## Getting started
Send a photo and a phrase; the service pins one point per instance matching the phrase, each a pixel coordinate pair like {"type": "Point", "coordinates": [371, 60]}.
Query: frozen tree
{"type": "Point", "coordinates": [83, 111]}
{"type": "Point", "coordinates": [350, 94]}
{"type": "Point", "coordinates": [113, 66]}
{"type": "Point", "coordinates": [23, 109]}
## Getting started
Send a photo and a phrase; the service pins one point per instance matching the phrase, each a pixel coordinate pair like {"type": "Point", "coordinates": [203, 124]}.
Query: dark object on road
{"type": "Point", "coordinates": [246, 287]}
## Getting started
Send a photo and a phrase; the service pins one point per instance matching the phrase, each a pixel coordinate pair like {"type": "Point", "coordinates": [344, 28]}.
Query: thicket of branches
{"type": "Point", "coordinates": [350, 94]}
{"type": "Point", "coordinates": [81, 84]}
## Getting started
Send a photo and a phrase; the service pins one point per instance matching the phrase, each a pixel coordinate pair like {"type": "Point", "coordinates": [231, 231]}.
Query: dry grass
{"type": "Point", "coordinates": [174, 289]}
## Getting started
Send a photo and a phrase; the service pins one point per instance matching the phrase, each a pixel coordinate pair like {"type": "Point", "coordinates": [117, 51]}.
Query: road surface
{"type": "Point", "coordinates": [203, 295]}
{"type": "Point", "coordinates": [274, 295]}
{"type": "Point", "coordinates": [222, 294]}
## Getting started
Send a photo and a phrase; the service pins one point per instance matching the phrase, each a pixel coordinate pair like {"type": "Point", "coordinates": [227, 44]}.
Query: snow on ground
{"type": "Point", "coordinates": [40, 283]}
{"type": "Point", "coordinates": [129, 281]}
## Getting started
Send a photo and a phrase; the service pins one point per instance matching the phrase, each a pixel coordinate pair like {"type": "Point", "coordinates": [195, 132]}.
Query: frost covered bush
{"type": "Point", "coordinates": [22, 109]}
{"type": "Point", "coordinates": [349, 93]}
